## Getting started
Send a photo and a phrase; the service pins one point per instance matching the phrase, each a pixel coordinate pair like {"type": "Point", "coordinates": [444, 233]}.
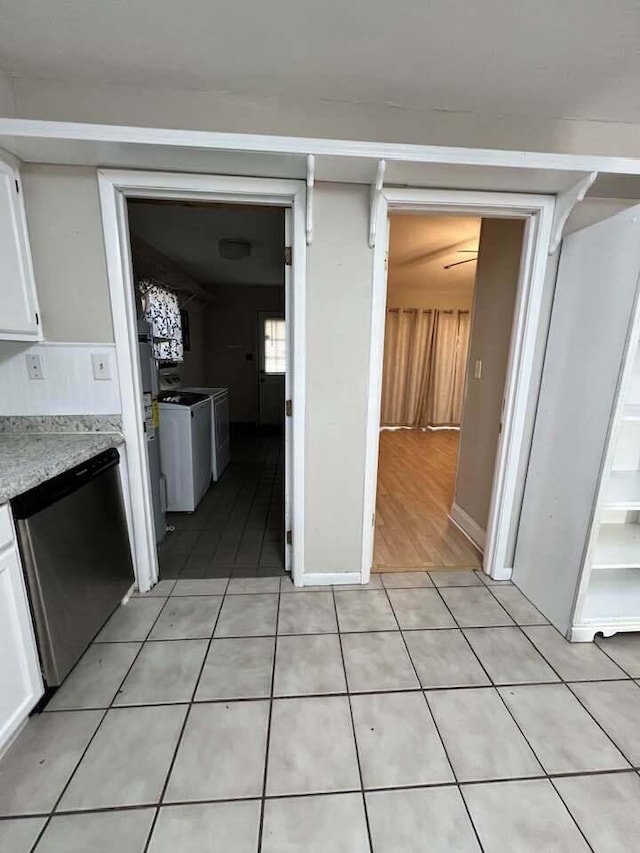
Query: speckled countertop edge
{"type": "Point", "coordinates": [60, 423]}
{"type": "Point", "coordinates": [28, 459]}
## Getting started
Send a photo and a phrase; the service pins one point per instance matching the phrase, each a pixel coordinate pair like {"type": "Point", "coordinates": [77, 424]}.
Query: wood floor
{"type": "Point", "coordinates": [416, 479]}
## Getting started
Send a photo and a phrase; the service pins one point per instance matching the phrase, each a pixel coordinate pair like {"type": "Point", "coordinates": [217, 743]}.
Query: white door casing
{"type": "Point", "coordinates": [115, 187]}
{"type": "Point", "coordinates": [537, 210]}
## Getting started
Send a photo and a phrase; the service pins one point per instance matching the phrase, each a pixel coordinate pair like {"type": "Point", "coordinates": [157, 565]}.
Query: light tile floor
{"type": "Point", "coordinates": [231, 716]}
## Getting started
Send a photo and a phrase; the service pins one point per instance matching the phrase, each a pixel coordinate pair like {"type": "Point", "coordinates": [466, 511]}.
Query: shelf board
{"type": "Point", "coordinates": [618, 547]}
{"type": "Point", "coordinates": [631, 412]}
{"type": "Point", "coordinates": [613, 595]}
{"type": "Point", "coordinates": [623, 490]}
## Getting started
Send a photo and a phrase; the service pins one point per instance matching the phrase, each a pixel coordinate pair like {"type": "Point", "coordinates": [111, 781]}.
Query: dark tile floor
{"type": "Point", "coordinates": [238, 528]}
{"type": "Point", "coordinates": [423, 712]}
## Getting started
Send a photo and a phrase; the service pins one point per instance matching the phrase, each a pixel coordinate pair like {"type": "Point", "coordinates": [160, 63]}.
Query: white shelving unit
{"type": "Point", "coordinates": [578, 548]}
{"type": "Point", "coordinates": [609, 600]}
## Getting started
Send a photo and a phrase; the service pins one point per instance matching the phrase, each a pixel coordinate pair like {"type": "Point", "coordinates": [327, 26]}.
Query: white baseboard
{"type": "Point", "coordinates": [330, 578]}
{"type": "Point", "coordinates": [503, 574]}
{"type": "Point", "coordinates": [466, 525]}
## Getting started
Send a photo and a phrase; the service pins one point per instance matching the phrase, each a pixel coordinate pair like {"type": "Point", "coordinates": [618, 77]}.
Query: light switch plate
{"type": "Point", "coordinates": [101, 362]}
{"type": "Point", "coordinates": [477, 370]}
{"type": "Point", "coordinates": [35, 366]}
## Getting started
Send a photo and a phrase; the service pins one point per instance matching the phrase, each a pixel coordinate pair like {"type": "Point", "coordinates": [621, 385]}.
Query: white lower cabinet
{"type": "Point", "coordinates": [21, 683]}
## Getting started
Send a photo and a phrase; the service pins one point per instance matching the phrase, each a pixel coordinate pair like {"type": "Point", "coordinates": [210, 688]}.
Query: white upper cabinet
{"type": "Point", "coordinates": [19, 313]}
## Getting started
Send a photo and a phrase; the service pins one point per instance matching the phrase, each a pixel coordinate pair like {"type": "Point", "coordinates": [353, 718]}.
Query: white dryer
{"type": "Point", "coordinates": [220, 448]}
{"type": "Point", "coordinates": [185, 447]}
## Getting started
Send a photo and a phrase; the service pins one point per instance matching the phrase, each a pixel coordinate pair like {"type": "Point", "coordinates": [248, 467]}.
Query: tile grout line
{"type": "Point", "coordinates": [545, 775]}
{"type": "Point", "coordinates": [256, 480]}
{"type": "Point", "coordinates": [274, 483]}
{"type": "Point", "coordinates": [353, 725]}
{"type": "Point", "coordinates": [381, 691]}
{"type": "Point", "coordinates": [106, 710]}
{"type": "Point", "coordinates": [511, 585]}
{"type": "Point", "coordinates": [259, 480]}
{"type": "Point", "coordinates": [183, 727]}
{"type": "Point", "coordinates": [432, 717]}
{"type": "Point", "coordinates": [426, 786]}
{"type": "Point", "coordinates": [566, 684]}
{"type": "Point", "coordinates": [510, 713]}
{"type": "Point", "coordinates": [268, 737]}
{"type": "Point", "coordinates": [579, 700]}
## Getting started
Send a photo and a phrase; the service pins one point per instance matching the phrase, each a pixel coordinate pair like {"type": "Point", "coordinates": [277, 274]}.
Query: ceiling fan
{"type": "Point", "coordinates": [466, 260]}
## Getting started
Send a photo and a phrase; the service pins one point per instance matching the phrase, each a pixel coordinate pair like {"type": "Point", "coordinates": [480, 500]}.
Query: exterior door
{"type": "Point", "coordinates": [272, 348]}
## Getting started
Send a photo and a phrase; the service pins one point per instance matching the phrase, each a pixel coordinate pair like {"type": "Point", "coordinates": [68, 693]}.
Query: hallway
{"type": "Point", "coordinates": [237, 716]}
{"type": "Point", "coordinates": [416, 480]}
{"type": "Point", "coordinates": [238, 528]}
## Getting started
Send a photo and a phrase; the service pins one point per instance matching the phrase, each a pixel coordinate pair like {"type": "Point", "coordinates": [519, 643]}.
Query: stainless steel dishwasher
{"type": "Point", "coordinates": [73, 539]}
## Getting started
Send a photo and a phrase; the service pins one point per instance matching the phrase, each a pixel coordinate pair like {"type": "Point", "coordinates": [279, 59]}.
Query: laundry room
{"type": "Point", "coordinates": [209, 293]}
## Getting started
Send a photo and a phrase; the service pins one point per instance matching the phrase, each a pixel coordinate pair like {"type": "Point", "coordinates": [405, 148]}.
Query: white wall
{"type": "Point", "coordinates": [193, 369]}
{"type": "Point", "coordinates": [68, 386]}
{"type": "Point", "coordinates": [65, 230]}
{"type": "Point", "coordinates": [586, 213]}
{"type": "Point", "coordinates": [340, 267]}
{"type": "Point", "coordinates": [7, 100]}
{"type": "Point", "coordinates": [419, 250]}
{"type": "Point", "coordinates": [223, 111]}
{"type": "Point", "coordinates": [232, 335]}
{"type": "Point", "coordinates": [493, 308]}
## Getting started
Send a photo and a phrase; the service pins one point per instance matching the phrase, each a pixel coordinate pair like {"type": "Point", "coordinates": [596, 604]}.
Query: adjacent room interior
{"type": "Point", "coordinates": [451, 294]}
{"type": "Point", "coordinates": [210, 298]}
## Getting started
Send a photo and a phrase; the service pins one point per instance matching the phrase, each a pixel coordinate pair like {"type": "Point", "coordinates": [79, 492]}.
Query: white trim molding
{"type": "Point", "coordinates": [538, 211]}
{"type": "Point", "coordinates": [115, 187]}
{"type": "Point", "coordinates": [12, 129]}
{"type": "Point", "coordinates": [565, 202]}
{"type": "Point", "coordinates": [467, 526]}
{"type": "Point", "coordinates": [331, 578]}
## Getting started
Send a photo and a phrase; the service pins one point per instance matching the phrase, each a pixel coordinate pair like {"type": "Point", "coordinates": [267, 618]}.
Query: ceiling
{"type": "Point", "coordinates": [573, 59]}
{"type": "Point", "coordinates": [420, 247]}
{"type": "Point", "coordinates": [188, 234]}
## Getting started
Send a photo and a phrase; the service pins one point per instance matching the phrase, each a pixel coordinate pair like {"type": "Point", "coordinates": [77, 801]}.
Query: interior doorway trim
{"type": "Point", "coordinates": [116, 186]}
{"type": "Point", "coordinates": [537, 211]}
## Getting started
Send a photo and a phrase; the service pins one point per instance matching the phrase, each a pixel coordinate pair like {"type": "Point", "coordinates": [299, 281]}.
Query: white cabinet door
{"type": "Point", "coordinates": [20, 679]}
{"type": "Point", "coordinates": [19, 317]}
{"type": "Point", "coordinates": [596, 291]}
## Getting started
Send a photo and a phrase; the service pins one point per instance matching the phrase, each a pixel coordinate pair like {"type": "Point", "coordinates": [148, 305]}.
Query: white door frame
{"type": "Point", "coordinates": [115, 188]}
{"type": "Point", "coordinates": [538, 211]}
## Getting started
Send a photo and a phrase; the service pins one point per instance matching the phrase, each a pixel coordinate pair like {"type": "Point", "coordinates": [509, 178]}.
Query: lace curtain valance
{"type": "Point", "coordinates": [162, 312]}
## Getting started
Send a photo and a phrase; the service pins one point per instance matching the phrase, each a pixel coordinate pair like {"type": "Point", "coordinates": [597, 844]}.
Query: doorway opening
{"type": "Point", "coordinates": [452, 288]}
{"type": "Point", "coordinates": [209, 284]}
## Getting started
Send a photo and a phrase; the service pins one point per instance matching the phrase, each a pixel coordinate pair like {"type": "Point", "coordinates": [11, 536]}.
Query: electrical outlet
{"type": "Point", "coordinates": [477, 371]}
{"type": "Point", "coordinates": [35, 366]}
{"type": "Point", "coordinates": [101, 362]}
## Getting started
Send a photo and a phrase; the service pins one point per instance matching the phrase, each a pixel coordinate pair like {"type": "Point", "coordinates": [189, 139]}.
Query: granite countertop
{"type": "Point", "coordinates": [28, 459]}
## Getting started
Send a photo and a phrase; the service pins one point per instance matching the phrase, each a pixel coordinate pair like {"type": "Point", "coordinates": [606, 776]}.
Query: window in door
{"type": "Point", "coordinates": [275, 345]}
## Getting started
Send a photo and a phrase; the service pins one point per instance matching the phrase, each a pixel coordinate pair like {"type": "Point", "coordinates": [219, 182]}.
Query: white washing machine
{"type": "Point", "coordinates": [185, 447]}
{"type": "Point", "coordinates": [220, 448]}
